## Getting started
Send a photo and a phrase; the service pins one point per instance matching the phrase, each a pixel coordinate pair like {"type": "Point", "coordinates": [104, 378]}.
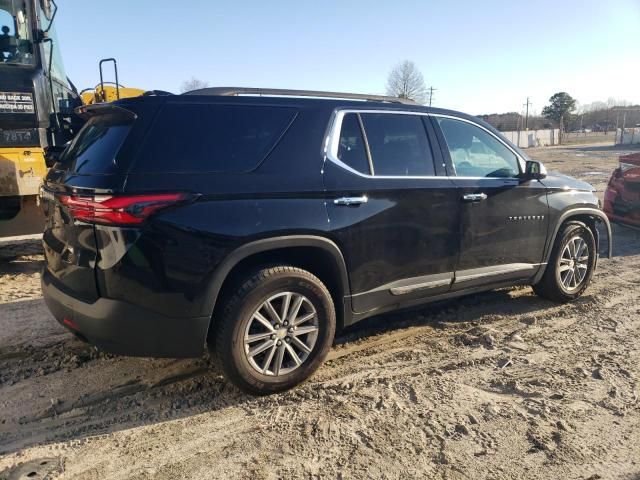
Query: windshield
{"type": "Point", "coordinates": [16, 46]}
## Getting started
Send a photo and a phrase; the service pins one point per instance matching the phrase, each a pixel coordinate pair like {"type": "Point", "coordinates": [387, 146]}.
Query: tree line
{"type": "Point", "coordinates": [562, 108]}
{"type": "Point", "coordinates": [563, 111]}
{"type": "Point", "coordinates": [405, 80]}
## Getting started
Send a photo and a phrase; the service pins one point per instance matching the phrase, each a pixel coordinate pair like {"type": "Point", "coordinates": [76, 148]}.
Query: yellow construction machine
{"type": "Point", "coordinates": [37, 103]}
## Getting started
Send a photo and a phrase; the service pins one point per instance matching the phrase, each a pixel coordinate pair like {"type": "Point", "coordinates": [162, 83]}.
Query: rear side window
{"type": "Point", "coordinates": [351, 150]}
{"type": "Point", "coordinates": [398, 144]}
{"type": "Point", "coordinates": [204, 138]}
{"type": "Point", "coordinates": [94, 149]}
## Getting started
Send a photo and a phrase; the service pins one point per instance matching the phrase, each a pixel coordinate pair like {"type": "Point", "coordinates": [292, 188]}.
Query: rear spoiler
{"type": "Point", "coordinates": [87, 111]}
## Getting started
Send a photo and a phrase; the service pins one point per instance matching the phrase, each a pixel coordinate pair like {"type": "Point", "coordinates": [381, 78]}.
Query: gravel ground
{"type": "Point", "coordinates": [497, 385]}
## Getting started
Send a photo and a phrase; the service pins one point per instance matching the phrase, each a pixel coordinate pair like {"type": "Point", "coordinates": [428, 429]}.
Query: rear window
{"type": "Point", "coordinates": [211, 138]}
{"type": "Point", "coordinates": [94, 149]}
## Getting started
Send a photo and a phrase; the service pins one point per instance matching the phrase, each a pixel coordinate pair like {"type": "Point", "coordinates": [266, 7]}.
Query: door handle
{"type": "Point", "coordinates": [474, 197]}
{"type": "Point", "coordinates": [351, 200]}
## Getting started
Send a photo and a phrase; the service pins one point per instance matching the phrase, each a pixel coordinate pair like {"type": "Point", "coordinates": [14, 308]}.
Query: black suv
{"type": "Point", "coordinates": [259, 222]}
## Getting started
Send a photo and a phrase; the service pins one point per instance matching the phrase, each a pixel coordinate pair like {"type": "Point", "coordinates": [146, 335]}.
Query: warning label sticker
{"type": "Point", "coordinates": [16, 102]}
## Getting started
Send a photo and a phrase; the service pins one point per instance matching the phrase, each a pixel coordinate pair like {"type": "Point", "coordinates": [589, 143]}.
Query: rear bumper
{"type": "Point", "coordinates": [126, 329]}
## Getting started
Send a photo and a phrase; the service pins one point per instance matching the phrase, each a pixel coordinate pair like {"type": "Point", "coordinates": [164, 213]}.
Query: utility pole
{"type": "Point", "coordinates": [526, 118]}
{"type": "Point", "coordinates": [431, 90]}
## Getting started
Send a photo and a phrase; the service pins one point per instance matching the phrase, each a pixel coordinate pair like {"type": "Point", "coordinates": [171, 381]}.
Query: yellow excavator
{"type": "Point", "coordinates": [37, 103]}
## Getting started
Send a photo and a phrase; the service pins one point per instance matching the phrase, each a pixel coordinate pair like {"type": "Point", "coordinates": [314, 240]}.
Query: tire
{"type": "Point", "coordinates": [244, 315]}
{"type": "Point", "coordinates": [565, 279]}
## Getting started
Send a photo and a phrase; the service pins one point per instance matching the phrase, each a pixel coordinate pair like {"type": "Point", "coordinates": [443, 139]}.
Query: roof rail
{"type": "Point", "coordinates": [281, 92]}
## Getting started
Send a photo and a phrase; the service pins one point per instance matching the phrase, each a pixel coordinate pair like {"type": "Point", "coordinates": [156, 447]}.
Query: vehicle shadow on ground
{"type": "Point", "coordinates": [143, 392]}
{"type": "Point", "coordinates": [166, 390]}
{"type": "Point", "coordinates": [445, 313]}
{"type": "Point", "coordinates": [21, 265]}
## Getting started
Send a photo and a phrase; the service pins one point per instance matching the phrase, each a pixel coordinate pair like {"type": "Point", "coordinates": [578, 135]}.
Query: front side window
{"type": "Point", "coordinates": [476, 153]}
{"type": "Point", "coordinates": [16, 46]}
{"type": "Point", "coordinates": [398, 144]}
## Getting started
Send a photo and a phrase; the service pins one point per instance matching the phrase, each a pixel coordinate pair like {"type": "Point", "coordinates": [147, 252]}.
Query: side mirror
{"type": "Point", "coordinates": [45, 5]}
{"type": "Point", "coordinates": [534, 171]}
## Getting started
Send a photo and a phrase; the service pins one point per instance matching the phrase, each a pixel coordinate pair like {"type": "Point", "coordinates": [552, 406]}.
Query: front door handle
{"type": "Point", "coordinates": [351, 200]}
{"type": "Point", "coordinates": [474, 197]}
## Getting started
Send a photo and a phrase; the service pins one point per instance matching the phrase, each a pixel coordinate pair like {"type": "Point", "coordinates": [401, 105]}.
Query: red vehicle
{"type": "Point", "coordinates": [622, 196]}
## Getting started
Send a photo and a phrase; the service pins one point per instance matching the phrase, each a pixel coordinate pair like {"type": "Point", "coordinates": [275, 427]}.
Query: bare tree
{"type": "Point", "coordinates": [406, 81]}
{"type": "Point", "coordinates": [193, 84]}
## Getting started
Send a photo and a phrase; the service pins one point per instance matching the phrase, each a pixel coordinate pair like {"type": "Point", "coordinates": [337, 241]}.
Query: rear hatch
{"type": "Point", "coordinates": [90, 169]}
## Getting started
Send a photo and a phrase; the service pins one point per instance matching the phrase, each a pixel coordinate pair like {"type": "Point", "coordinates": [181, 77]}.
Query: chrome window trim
{"type": "Point", "coordinates": [332, 144]}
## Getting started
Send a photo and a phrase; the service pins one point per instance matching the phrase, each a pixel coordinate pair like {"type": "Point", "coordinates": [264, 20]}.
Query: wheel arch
{"type": "Point", "coordinates": [319, 255]}
{"type": "Point", "coordinates": [588, 215]}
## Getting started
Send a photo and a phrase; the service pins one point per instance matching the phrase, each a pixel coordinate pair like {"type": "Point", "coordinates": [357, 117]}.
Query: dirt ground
{"type": "Point", "coordinates": [502, 385]}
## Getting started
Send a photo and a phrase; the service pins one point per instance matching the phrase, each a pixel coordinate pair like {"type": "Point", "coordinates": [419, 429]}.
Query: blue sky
{"type": "Point", "coordinates": [482, 56]}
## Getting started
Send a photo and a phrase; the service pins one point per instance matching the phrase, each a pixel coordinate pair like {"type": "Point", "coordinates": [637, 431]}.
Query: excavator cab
{"type": "Point", "coordinates": [37, 103]}
{"type": "Point", "coordinates": [16, 46]}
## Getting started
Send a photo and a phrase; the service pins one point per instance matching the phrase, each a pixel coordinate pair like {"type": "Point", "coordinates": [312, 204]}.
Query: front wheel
{"type": "Point", "coordinates": [571, 264]}
{"type": "Point", "coordinates": [276, 330]}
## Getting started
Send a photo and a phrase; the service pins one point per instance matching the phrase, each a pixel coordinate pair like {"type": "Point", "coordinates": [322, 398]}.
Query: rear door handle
{"type": "Point", "coordinates": [474, 197]}
{"type": "Point", "coordinates": [351, 200]}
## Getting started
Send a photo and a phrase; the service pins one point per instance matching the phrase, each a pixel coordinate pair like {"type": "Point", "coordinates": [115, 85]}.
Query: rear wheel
{"type": "Point", "coordinates": [276, 330]}
{"type": "Point", "coordinates": [571, 264]}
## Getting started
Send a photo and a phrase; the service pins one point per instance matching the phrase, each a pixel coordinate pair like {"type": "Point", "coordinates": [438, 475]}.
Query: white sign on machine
{"type": "Point", "coordinates": [16, 102]}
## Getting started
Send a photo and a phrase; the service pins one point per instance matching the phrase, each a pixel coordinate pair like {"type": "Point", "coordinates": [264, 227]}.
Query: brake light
{"type": "Point", "coordinates": [120, 209]}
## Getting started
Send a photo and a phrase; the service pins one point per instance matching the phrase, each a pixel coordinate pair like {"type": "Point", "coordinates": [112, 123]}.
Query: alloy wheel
{"type": "Point", "coordinates": [573, 264]}
{"type": "Point", "coordinates": [281, 334]}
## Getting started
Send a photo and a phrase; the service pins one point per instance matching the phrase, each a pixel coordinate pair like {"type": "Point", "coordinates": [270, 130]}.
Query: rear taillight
{"type": "Point", "coordinates": [120, 209]}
